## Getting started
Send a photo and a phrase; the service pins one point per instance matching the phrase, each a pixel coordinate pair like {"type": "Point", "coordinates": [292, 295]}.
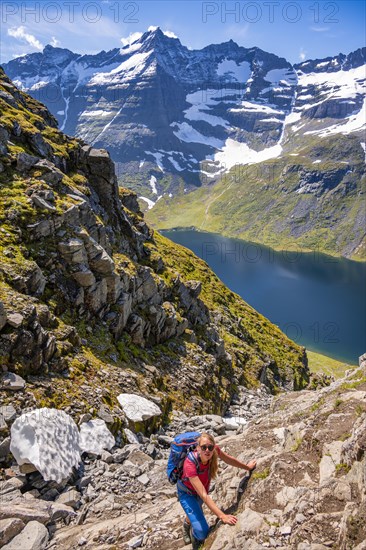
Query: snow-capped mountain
{"type": "Point", "coordinates": [164, 110]}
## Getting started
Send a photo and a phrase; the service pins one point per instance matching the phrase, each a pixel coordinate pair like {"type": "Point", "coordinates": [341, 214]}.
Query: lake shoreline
{"type": "Point", "coordinates": [290, 249]}
{"type": "Point", "coordinates": [314, 298]}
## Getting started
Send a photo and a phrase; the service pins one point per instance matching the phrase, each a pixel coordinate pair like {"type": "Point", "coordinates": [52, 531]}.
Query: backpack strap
{"type": "Point", "coordinates": [193, 457]}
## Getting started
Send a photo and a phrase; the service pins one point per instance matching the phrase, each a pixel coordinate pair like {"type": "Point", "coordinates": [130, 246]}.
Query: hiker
{"type": "Point", "coordinates": [199, 467]}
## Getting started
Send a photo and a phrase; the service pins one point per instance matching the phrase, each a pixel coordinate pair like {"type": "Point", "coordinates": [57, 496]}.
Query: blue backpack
{"type": "Point", "coordinates": [180, 447]}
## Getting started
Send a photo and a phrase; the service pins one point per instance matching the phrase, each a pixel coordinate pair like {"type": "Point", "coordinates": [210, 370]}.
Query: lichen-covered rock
{"type": "Point", "coordinates": [49, 440]}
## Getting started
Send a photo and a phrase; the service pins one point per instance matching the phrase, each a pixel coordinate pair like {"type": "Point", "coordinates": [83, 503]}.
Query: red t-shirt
{"type": "Point", "coordinates": [190, 470]}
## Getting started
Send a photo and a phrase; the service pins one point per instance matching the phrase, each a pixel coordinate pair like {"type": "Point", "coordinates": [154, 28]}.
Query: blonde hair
{"type": "Point", "coordinates": [214, 462]}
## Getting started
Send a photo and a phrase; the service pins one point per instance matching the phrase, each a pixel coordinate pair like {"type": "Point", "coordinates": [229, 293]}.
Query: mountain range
{"type": "Point", "coordinates": [182, 124]}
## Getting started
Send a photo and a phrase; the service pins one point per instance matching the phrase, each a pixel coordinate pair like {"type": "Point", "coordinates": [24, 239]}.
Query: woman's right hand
{"type": "Point", "coordinates": [228, 519]}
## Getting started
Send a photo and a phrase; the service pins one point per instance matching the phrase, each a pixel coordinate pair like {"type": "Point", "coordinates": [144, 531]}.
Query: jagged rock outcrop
{"type": "Point", "coordinates": [87, 286]}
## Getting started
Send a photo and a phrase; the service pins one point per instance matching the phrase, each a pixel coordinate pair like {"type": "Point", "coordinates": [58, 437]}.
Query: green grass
{"type": "Point", "coordinates": [260, 203]}
{"type": "Point", "coordinates": [322, 364]}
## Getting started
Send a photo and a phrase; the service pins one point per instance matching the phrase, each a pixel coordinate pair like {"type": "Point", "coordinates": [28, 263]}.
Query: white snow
{"type": "Point", "coordinates": [95, 437]}
{"type": "Point", "coordinates": [128, 70]}
{"type": "Point", "coordinates": [153, 185]}
{"type": "Point", "coordinates": [48, 439]}
{"type": "Point", "coordinates": [363, 145]}
{"type": "Point", "coordinates": [341, 84]}
{"type": "Point", "coordinates": [60, 112]}
{"type": "Point", "coordinates": [142, 162]}
{"type": "Point", "coordinates": [238, 71]}
{"type": "Point", "coordinates": [316, 161]}
{"type": "Point", "coordinates": [247, 106]}
{"type": "Point", "coordinates": [40, 84]}
{"type": "Point", "coordinates": [272, 119]}
{"type": "Point", "coordinates": [158, 157]}
{"type": "Point", "coordinates": [285, 77]}
{"type": "Point", "coordinates": [30, 83]}
{"type": "Point", "coordinates": [175, 164]}
{"type": "Point", "coordinates": [194, 113]}
{"type": "Point", "coordinates": [186, 133]}
{"type": "Point", "coordinates": [354, 123]}
{"type": "Point", "coordinates": [67, 102]}
{"type": "Point", "coordinates": [97, 113]}
{"type": "Point", "coordinates": [134, 62]}
{"type": "Point", "coordinates": [201, 102]}
{"type": "Point", "coordinates": [235, 152]}
{"type": "Point", "coordinates": [149, 202]}
{"type": "Point", "coordinates": [137, 408]}
{"type": "Point", "coordinates": [107, 125]}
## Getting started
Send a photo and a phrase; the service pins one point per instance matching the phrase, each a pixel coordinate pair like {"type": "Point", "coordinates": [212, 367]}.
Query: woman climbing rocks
{"type": "Point", "coordinates": [200, 466]}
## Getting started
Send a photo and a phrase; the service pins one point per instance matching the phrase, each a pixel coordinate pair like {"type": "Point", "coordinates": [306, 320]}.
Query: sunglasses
{"type": "Point", "coordinates": [207, 447]}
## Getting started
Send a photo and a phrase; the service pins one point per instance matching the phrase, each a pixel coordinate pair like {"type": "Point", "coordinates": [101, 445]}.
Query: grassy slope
{"type": "Point", "coordinates": [100, 364]}
{"type": "Point", "coordinates": [259, 202]}
{"type": "Point", "coordinates": [322, 364]}
{"type": "Point", "coordinates": [252, 328]}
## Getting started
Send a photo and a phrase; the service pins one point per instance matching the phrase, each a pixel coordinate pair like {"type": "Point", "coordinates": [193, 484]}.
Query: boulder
{"type": "Point", "coordinates": [8, 413]}
{"type": "Point", "coordinates": [25, 162]}
{"type": "Point", "coordinates": [42, 204]}
{"type": "Point", "coordinates": [95, 437]}
{"type": "Point", "coordinates": [15, 319]}
{"type": "Point", "coordinates": [33, 537]}
{"type": "Point", "coordinates": [12, 381]}
{"type": "Point", "coordinates": [137, 408]}
{"type": "Point", "coordinates": [49, 440]}
{"type": "Point", "coordinates": [26, 512]}
{"type": "Point", "coordinates": [9, 528]}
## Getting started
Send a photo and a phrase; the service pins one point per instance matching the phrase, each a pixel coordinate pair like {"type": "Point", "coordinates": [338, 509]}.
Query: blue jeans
{"type": "Point", "coordinates": [192, 505]}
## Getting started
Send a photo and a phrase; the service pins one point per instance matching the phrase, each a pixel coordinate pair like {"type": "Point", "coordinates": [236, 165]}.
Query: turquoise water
{"type": "Point", "coordinates": [317, 300]}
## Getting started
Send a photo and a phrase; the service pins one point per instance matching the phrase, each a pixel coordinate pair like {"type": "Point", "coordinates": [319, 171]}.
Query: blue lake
{"type": "Point", "coordinates": [317, 300]}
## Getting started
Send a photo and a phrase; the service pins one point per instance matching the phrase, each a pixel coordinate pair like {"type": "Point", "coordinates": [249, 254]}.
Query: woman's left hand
{"type": "Point", "coordinates": [251, 465]}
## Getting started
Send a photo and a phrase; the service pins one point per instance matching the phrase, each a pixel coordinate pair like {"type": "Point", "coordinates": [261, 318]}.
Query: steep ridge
{"type": "Point", "coordinates": [291, 137]}
{"type": "Point", "coordinates": [92, 301]}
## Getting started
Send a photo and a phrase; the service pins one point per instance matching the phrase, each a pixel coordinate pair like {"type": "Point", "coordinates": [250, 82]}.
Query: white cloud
{"type": "Point", "coordinates": [152, 28]}
{"type": "Point", "coordinates": [319, 29]}
{"type": "Point", "coordinates": [302, 54]}
{"type": "Point", "coordinates": [170, 34]}
{"type": "Point", "coordinates": [55, 43]}
{"type": "Point", "coordinates": [22, 34]}
{"type": "Point", "coordinates": [131, 38]}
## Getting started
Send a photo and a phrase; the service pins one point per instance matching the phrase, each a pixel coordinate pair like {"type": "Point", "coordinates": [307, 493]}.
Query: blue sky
{"type": "Point", "coordinates": [295, 30]}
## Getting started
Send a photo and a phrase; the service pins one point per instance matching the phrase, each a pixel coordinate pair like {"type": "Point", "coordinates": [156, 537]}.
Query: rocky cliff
{"type": "Point", "coordinates": [92, 302]}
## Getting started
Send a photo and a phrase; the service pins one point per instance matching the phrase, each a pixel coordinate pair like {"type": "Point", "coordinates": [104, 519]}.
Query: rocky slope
{"type": "Point", "coordinates": [93, 303]}
{"type": "Point", "coordinates": [292, 137]}
{"type": "Point", "coordinates": [307, 493]}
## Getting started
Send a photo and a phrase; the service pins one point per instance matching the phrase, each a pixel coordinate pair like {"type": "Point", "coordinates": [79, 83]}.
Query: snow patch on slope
{"type": "Point", "coordinates": [153, 185]}
{"type": "Point", "coordinates": [238, 71]}
{"type": "Point", "coordinates": [186, 133]}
